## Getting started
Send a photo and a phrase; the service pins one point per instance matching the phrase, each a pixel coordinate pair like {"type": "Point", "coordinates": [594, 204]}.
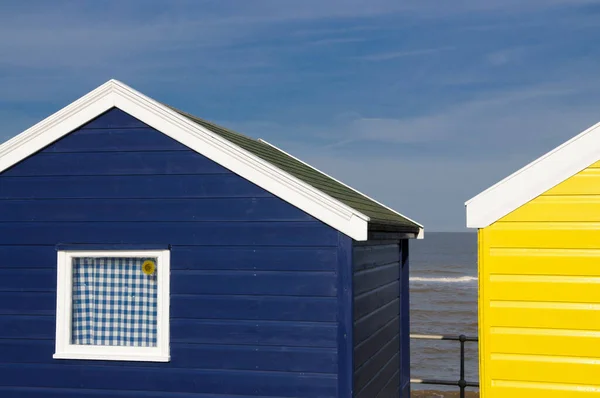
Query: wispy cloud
{"type": "Point", "coordinates": [314, 9]}
{"type": "Point", "coordinates": [530, 121]}
{"type": "Point", "coordinates": [510, 55]}
{"type": "Point", "coordinates": [341, 40]}
{"type": "Point", "coordinates": [386, 56]}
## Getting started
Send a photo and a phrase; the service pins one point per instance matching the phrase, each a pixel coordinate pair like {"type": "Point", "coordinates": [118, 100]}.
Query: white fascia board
{"type": "Point", "coordinates": [534, 179]}
{"type": "Point", "coordinates": [421, 234]}
{"type": "Point", "coordinates": [116, 94]}
{"type": "Point", "coordinates": [56, 126]}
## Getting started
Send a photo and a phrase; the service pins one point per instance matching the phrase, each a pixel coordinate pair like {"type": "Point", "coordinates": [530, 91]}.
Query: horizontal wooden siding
{"type": "Point", "coordinates": [540, 284]}
{"type": "Point", "coordinates": [253, 279]}
{"type": "Point", "coordinates": [377, 334]}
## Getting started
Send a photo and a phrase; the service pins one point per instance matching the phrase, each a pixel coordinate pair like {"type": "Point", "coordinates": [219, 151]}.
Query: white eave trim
{"type": "Point", "coordinates": [534, 179]}
{"type": "Point", "coordinates": [116, 94]}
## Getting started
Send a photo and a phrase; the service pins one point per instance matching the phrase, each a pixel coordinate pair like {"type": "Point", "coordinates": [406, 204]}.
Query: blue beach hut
{"type": "Point", "coordinates": [145, 252]}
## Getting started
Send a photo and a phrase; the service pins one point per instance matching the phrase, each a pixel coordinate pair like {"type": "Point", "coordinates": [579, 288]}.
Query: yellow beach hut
{"type": "Point", "coordinates": [539, 276]}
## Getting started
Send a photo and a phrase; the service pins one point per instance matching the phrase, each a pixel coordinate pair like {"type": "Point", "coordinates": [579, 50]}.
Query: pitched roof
{"type": "Point", "coordinates": [377, 212]}
{"type": "Point", "coordinates": [301, 185]}
{"type": "Point", "coordinates": [534, 179]}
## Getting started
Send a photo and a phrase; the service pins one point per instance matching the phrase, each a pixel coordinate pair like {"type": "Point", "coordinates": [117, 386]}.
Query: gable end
{"type": "Point", "coordinates": [534, 179]}
{"type": "Point", "coordinates": [114, 94]}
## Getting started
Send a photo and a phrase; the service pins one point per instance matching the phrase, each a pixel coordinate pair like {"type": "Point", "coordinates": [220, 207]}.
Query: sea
{"type": "Point", "coordinates": [443, 300]}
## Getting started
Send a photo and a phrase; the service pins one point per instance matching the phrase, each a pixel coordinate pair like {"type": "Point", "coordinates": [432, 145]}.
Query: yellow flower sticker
{"type": "Point", "coordinates": [148, 267]}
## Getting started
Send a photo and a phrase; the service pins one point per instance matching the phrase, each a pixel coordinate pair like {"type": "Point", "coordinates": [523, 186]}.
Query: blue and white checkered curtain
{"type": "Point", "coordinates": [114, 302]}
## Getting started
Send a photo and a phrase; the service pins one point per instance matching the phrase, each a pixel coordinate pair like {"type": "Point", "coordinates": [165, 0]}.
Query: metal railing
{"type": "Point", "coordinates": [461, 383]}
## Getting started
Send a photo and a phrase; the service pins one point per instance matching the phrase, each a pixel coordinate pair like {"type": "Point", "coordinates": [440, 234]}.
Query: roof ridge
{"type": "Point", "coordinates": [189, 115]}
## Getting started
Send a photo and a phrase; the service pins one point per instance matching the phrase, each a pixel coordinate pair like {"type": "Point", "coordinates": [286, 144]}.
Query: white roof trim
{"type": "Point", "coordinates": [421, 234]}
{"type": "Point", "coordinates": [116, 94]}
{"type": "Point", "coordinates": [534, 179]}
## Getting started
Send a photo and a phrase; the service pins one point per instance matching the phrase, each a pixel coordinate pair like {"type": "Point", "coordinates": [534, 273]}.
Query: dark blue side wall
{"type": "Point", "coordinates": [381, 356]}
{"type": "Point", "coordinates": [404, 321]}
{"type": "Point", "coordinates": [254, 281]}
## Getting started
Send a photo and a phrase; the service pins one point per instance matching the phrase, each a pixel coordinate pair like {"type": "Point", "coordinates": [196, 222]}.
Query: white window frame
{"type": "Point", "coordinates": [64, 304]}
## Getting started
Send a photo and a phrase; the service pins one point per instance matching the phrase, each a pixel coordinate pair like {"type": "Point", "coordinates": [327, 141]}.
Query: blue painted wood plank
{"type": "Point", "coordinates": [278, 359]}
{"type": "Point", "coordinates": [374, 278]}
{"type": "Point", "coordinates": [253, 307]}
{"type": "Point", "coordinates": [77, 247]}
{"type": "Point", "coordinates": [183, 233]}
{"type": "Point", "coordinates": [222, 332]}
{"type": "Point", "coordinates": [113, 140]}
{"type": "Point", "coordinates": [223, 209]}
{"type": "Point", "coordinates": [32, 392]}
{"type": "Point", "coordinates": [372, 254]}
{"type": "Point", "coordinates": [252, 258]}
{"type": "Point", "coordinates": [193, 356]}
{"type": "Point", "coordinates": [367, 348]}
{"type": "Point", "coordinates": [27, 303]}
{"type": "Point", "coordinates": [292, 283]}
{"type": "Point", "coordinates": [139, 186]}
{"type": "Point", "coordinates": [367, 371]}
{"type": "Point", "coordinates": [270, 333]}
{"type": "Point", "coordinates": [345, 311]}
{"type": "Point", "coordinates": [370, 301]}
{"type": "Point", "coordinates": [26, 256]}
{"type": "Point", "coordinates": [198, 258]}
{"type": "Point", "coordinates": [391, 389]}
{"type": "Point", "coordinates": [27, 327]}
{"type": "Point", "coordinates": [164, 379]}
{"type": "Point", "coordinates": [381, 379]}
{"type": "Point", "coordinates": [115, 163]}
{"type": "Point", "coordinates": [368, 325]}
{"type": "Point", "coordinates": [27, 280]}
{"type": "Point", "coordinates": [114, 119]}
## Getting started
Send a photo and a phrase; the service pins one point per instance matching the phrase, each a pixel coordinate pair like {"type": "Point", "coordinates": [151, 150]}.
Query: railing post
{"type": "Point", "coordinates": [462, 383]}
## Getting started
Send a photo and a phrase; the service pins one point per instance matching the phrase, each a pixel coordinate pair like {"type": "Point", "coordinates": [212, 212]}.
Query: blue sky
{"type": "Point", "coordinates": [420, 104]}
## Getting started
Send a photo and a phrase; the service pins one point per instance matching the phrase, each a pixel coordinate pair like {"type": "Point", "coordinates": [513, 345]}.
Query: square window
{"type": "Point", "coordinates": [113, 305]}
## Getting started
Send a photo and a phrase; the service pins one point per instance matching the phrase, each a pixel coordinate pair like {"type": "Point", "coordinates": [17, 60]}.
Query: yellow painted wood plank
{"type": "Point", "coordinates": [543, 315]}
{"type": "Point", "coordinates": [545, 369]}
{"type": "Point", "coordinates": [544, 235]}
{"type": "Point", "coordinates": [558, 208]}
{"type": "Point", "coordinates": [556, 342]}
{"type": "Point", "coordinates": [484, 330]}
{"type": "Point", "coordinates": [520, 389]}
{"type": "Point", "coordinates": [527, 261]}
{"type": "Point", "coordinates": [587, 182]}
{"type": "Point", "coordinates": [554, 288]}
